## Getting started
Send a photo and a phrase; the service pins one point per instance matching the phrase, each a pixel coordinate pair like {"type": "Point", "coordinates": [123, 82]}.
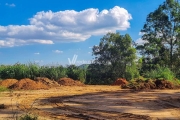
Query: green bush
{"type": "Point", "coordinates": [99, 74]}
{"type": "Point", "coordinates": [52, 72]}
{"type": "Point", "coordinates": [76, 73]}
{"type": "Point", "coordinates": [132, 72]}
{"type": "Point", "coordinates": [160, 73]}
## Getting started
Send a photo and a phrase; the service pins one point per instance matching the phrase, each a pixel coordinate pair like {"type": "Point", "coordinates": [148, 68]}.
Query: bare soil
{"type": "Point", "coordinates": [28, 84]}
{"type": "Point", "coordinates": [47, 82]}
{"type": "Point", "coordinates": [120, 81]}
{"type": "Point", "coordinates": [8, 82]}
{"type": "Point", "coordinates": [69, 82]}
{"type": "Point", "coordinates": [92, 103]}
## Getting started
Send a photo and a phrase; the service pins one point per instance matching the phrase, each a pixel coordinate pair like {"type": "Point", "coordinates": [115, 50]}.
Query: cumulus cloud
{"type": "Point", "coordinates": [65, 26]}
{"type": "Point", "coordinates": [10, 5]}
{"type": "Point", "coordinates": [57, 51]}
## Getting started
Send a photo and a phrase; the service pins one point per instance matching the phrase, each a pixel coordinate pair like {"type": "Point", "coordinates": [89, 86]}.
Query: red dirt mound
{"type": "Point", "coordinates": [120, 81]}
{"type": "Point", "coordinates": [47, 82]}
{"type": "Point", "coordinates": [28, 84]}
{"type": "Point", "coordinates": [8, 82]}
{"type": "Point", "coordinates": [69, 82]}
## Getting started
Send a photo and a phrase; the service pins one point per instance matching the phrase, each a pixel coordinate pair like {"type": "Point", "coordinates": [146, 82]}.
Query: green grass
{"type": "Point", "coordinates": [2, 89]}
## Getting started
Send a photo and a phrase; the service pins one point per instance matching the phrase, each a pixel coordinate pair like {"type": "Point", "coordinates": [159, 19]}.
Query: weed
{"type": "Point", "coordinates": [2, 89]}
{"type": "Point", "coordinates": [28, 117]}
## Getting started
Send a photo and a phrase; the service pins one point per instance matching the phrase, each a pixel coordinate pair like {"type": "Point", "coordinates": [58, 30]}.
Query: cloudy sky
{"type": "Point", "coordinates": [63, 31]}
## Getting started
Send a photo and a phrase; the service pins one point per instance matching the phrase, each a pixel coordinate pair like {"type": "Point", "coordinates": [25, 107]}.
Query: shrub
{"type": "Point", "coordinates": [131, 72]}
{"type": "Point", "coordinates": [76, 73]}
{"type": "Point", "coordinates": [160, 73]}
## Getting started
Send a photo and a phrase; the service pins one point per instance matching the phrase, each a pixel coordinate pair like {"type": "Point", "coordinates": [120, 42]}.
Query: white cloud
{"type": "Point", "coordinates": [42, 41]}
{"type": "Point", "coordinates": [11, 42]}
{"type": "Point", "coordinates": [37, 53]}
{"type": "Point", "coordinates": [140, 41]}
{"type": "Point", "coordinates": [141, 33]}
{"type": "Point", "coordinates": [65, 26]}
{"type": "Point", "coordinates": [57, 51]}
{"type": "Point", "coordinates": [10, 5]}
{"type": "Point", "coordinates": [90, 47]}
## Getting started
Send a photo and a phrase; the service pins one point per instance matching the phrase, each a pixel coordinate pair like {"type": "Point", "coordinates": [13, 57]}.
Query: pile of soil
{"type": "Point", "coordinates": [163, 84]}
{"type": "Point", "coordinates": [28, 84]}
{"type": "Point", "coordinates": [69, 82]}
{"type": "Point", "coordinates": [47, 82]}
{"type": "Point", "coordinates": [149, 84]}
{"type": "Point", "coordinates": [8, 82]}
{"type": "Point", "coordinates": [120, 81]}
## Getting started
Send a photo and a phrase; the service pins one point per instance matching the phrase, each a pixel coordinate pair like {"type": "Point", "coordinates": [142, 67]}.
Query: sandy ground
{"type": "Point", "coordinates": [92, 103]}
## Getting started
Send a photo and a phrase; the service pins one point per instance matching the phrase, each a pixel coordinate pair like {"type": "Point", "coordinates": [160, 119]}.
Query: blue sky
{"type": "Point", "coordinates": [51, 31]}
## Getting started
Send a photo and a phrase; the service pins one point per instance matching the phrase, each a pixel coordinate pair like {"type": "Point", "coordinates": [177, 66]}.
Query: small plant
{"type": "Point", "coordinates": [28, 113]}
{"type": "Point", "coordinates": [28, 117]}
{"type": "Point", "coordinates": [2, 89]}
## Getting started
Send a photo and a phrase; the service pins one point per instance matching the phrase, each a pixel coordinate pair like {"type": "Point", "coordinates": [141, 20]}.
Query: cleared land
{"type": "Point", "coordinates": [92, 102]}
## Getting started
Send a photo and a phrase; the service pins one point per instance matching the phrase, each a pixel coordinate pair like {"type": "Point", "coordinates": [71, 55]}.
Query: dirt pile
{"type": "Point", "coordinates": [69, 82]}
{"type": "Point", "coordinates": [28, 84]}
{"type": "Point", "coordinates": [163, 84]}
{"type": "Point", "coordinates": [47, 82]}
{"type": "Point", "coordinates": [145, 85]}
{"type": "Point", "coordinates": [8, 82]}
{"type": "Point", "coordinates": [120, 81]}
{"type": "Point", "coordinates": [149, 84]}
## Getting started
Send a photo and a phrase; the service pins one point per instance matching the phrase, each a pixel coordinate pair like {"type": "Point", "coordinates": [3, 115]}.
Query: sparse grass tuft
{"type": "Point", "coordinates": [2, 89]}
{"type": "Point", "coordinates": [28, 117]}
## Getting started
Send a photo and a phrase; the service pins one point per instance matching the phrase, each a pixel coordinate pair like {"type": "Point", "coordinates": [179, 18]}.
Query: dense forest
{"type": "Point", "coordinates": [118, 56]}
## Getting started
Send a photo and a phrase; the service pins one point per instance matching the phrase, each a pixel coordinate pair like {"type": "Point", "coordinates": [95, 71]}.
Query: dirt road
{"type": "Point", "coordinates": [92, 102]}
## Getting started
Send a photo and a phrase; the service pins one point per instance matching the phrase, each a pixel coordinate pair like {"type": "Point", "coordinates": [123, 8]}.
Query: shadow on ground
{"type": "Point", "coordinates": [122, 104]}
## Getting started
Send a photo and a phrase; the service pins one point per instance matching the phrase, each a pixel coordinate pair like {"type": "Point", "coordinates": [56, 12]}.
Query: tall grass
{"type": "Point", "coordinates": [19, 71]}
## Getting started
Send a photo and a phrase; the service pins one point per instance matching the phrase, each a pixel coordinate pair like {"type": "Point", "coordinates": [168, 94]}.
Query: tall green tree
{"type": "Point", "coordinates": [161, 35]}
{"type": "Point", "coordinates": [117, 52]}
